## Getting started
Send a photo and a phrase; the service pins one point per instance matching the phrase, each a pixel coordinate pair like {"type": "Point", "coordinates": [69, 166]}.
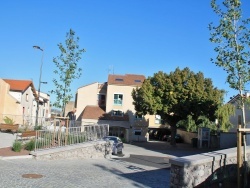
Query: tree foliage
{"type": "Point", "coordinates": [223, 114]}
{"type": "Point", "coordinates": [177, 95]}
{"type": "Point", "coordinates": [67, 69]}
{"type": "Point", "coordinates": [232, 41]}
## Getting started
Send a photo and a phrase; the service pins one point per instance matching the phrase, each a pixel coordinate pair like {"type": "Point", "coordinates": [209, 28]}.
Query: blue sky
{"type": "Point", "coordinates": [125, 37]}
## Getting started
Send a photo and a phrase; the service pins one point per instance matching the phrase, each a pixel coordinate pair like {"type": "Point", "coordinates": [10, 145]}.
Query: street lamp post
{"type": "Point", "coordinates": [39, 86]}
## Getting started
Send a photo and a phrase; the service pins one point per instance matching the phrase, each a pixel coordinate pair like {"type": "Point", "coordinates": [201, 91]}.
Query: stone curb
{"type": "Point", "coordinates": [16, 157]}
{"type": "Point", "coordinates": [120, 156]}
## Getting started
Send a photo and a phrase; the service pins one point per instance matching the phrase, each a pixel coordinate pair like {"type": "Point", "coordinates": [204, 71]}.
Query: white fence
{"type": "Point", "coordinates": [61, 136]}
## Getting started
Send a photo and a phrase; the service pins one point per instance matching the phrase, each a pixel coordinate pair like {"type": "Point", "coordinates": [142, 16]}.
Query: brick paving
{"type": "Point", "coordinates": [104, 173]}
{"type": "Point", "coordinates": [146, 166]}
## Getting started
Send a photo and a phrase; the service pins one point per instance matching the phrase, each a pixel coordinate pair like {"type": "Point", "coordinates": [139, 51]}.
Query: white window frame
{"type": "Point", "coordinates": [118, 102]}
{"type": "Point", "coordinates": [158, 119]}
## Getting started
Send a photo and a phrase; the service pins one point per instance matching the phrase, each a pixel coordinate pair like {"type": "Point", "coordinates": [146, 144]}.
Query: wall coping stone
{"type": "Point", "coordinates": [206, 157]}
{"type": "Point", "coordinates": [65, 148]}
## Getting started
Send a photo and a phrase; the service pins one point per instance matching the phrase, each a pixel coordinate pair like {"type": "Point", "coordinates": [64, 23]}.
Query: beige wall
{"type": "Point", "coordinates": [86, 95]}
{"type": "Point", "coordinates": [127, 104]}
{"type": "Point", "coordinates": [9, 106]}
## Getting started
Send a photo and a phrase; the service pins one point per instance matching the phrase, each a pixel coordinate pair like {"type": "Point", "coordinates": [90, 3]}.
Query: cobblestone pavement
{"type": "Point", "coordinates": [111, 173]}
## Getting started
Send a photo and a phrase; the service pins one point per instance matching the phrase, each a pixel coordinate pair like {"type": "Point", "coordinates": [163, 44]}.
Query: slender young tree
{"type": "Point", "coordinates": [232, 43]}
{"type": "Point", "coordinates": [67, 69]}
{"type": "Point", "coordinates": [232, 39]}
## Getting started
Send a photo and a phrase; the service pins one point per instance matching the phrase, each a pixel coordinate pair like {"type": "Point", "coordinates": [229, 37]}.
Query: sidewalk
{"type": "Point", "coordinates": [7, 139]}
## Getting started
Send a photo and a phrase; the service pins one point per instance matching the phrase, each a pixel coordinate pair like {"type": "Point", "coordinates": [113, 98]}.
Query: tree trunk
{"type": "Point", "coordinates": [173, 133]}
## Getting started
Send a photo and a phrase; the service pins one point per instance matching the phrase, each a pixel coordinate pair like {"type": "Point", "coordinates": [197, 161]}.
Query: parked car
{"type": "Point", "coordinates": [117, 144]}
{"type": "Point", "coordinates": [158, 133]}
{"type": "Point", "coordinates": [178, 138]}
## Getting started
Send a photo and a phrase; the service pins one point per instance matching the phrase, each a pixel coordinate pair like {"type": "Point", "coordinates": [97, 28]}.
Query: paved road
{"type": "Point", "coordinates": [110, 173]}
{"type": "Point", "coordinates": [144, 165]}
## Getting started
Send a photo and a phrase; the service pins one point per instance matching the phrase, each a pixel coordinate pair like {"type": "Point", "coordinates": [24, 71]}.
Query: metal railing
{"type": "Point", "coordinates": [25, 120]}
{"type": "Point", "coordinates": [62, 136]}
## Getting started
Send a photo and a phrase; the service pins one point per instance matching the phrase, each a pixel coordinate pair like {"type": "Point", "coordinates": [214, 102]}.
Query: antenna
{"type": "Point", "coordinates": [111, 68]}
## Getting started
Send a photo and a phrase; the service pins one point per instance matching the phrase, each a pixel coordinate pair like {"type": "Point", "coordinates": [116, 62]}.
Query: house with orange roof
{"type": "Point", "coordinates": [10, 106]}
{"type": "Point", "coordinates": [25, 95]}
{"type": "Point", "coordinates": [112, 103]}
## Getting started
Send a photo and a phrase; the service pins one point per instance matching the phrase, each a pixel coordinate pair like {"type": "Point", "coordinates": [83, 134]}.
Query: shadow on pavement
{"type": "Point", "coordinates": [179, 150]}
{"type": "Point", "coordinates": [152, 161]}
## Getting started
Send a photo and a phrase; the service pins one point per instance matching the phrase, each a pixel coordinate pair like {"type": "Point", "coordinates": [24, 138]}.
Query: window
{"type": "Point", "coordinates": [27, 97]}
{"type": "Point", "coordinates": [118, 99]}
{"type": "Point", "coordinates": [101, 99]}
{"type": "Point", "coordinates": [117, 113]}
{"type": "Point", "coordinates": [138, 81]}
{"type": "Point", "coordinates": [157, 119]}
{"type": "Point", "coordinates": [137, 132]}
{"type": "Point", "coordinates": [138, 116]}
{"type": "Point", "coordinates": [119, 79]}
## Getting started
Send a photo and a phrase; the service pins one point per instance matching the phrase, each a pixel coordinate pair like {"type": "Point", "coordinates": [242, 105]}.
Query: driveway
{"type": "Point", "coordinates": [156, 153]}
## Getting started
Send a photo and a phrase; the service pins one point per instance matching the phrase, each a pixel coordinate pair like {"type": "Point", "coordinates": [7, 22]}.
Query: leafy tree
{"type": "Point", "coordinates": [67, 69]}
{"type": "Point", "coordinates": [188, 124]}
{"type": "Point", "coordinates": [232, 39]}
{"type": "Point", "coordinates": [223, 114]}
{"type": "Point", "coordinates": [176, 95]}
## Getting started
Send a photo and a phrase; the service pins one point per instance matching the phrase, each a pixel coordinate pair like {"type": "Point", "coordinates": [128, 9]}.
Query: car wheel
{"type": "Point", "coordinates": [115, 151]}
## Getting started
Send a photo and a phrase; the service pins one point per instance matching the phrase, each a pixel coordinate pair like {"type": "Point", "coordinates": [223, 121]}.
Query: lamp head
{"type": "Point", "coordinates": [38, 47]}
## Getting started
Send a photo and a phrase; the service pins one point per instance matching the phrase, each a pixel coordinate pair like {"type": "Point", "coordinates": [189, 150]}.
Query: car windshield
{"type": "Point", "coordinates": [111, 138]}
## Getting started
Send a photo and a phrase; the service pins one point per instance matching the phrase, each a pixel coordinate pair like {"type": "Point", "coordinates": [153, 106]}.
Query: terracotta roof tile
{"type": "Point", "coordinates": [92, 112]}
{"type": "Point", "coordinates": [127, 79]}
{"type": "Point", "coordinates": [20, 85]}
{"type": "Point", "coordinates": [95, 112]}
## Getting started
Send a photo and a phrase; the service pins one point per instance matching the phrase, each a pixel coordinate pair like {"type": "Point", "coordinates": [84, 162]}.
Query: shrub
{"type": "Point", "coordinates": [30, 146]}
{"type": "Point", "coordinates": [8, 120]}
{"type": "Point", "coordinates": [39, 127]}
{"type": "Point", "coordinates": [123, 140]}
{"type": "Point", "coordinates": [17, 146]}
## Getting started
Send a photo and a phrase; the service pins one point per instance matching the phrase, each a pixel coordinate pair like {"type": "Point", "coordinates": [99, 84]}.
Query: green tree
{"type": "Point", "coordinates": [223, 114]}
{"type": "Point", "coordinates": [232, 39]}
{"type": "Point", "coordinates": [176, 95]}
{"type": "Point", "coordinates": [67, 69]}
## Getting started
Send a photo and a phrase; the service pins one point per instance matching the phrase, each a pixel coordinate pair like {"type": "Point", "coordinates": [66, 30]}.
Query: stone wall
{"type": "Point", "coordinates": [204, 169]}
{"type": "Point", "coordinates": [95, 150]}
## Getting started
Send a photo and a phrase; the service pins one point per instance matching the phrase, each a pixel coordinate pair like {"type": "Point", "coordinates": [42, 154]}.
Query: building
{"type": "Point", "coordinates": [20, 102]}
{"type": "Point", "coordinates": [9, 104]}
{"type": "Point", "coordinates": [234, 119]}
{"type": "Point", "coordinates": [111, 103]}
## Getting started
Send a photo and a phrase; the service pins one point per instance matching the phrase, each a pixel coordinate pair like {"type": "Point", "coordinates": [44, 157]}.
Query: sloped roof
{"type": "Point", "coordinates": [97, 113]}
{"type": "Point", "coordinates": [127, 79]}
{"type": "Point", "coordinates": [92, 112]}
{"type": "Point", "coordinates": [20, 85]}
{"type": "Point", "coordinates": [237, 97]}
